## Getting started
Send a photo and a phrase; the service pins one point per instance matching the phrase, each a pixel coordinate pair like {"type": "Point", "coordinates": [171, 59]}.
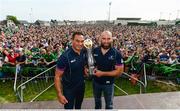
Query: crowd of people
{"type": "Point", "coordinates": [63, 45]}
{"type": "Point", "coordinates": [42, 45]}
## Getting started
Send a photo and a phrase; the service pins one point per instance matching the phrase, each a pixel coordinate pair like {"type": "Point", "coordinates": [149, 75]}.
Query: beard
{"type": "Point", "coordinates": [106, 46]}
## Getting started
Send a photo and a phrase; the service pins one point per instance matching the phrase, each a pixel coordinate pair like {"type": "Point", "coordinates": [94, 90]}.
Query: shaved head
{"type": "Point", "coordinates": [106, 39]}
{"type": "Point", "coordinates": [106, 33]}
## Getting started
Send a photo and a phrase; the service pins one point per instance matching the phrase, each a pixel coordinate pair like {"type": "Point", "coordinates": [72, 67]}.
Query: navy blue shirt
{"type": "Point", "coordinates": [164, 57]}
{"type": "Point", "coordinates": [106, 62]}
{"type": "Point", "coordinates": [73, 66]}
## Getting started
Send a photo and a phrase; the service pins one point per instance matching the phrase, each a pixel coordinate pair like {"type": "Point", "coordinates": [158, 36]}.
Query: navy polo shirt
{"type": "Point", "coordinates": [73, 66]}
{"type": "Point", "coordinates": [106, 62]}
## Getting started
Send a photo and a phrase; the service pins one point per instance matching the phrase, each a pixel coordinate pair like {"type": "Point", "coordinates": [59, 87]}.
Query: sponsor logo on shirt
{"type": "Point", "coordinates": [107, 82]}
{"type": "Point", "coordinates": [74, 60]}
{"type": "Point", "coordinates": [95, 55]}
{"type": "Point", "coordinates": [111, 57]}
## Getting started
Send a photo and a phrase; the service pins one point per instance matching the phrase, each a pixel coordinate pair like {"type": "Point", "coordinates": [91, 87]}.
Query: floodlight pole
{"type": "Point", "coordinates": [109, 11]}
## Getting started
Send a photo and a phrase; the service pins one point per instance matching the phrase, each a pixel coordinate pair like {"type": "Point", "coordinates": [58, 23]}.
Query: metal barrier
{"type": "Point", "coordinates": [142, 82]}
{"type": "Point", "coordinates": [7, 73]}
{"type": "Point", "coordinates": [30, 88]}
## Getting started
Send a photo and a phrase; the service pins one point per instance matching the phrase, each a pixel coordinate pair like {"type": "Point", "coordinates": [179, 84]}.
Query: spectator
{"type": "Point", "coordinates": [11, 58]}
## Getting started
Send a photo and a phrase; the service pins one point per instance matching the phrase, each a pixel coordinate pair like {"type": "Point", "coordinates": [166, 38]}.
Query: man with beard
{"type": "Point", "coordinates": [109, 64]}
{"type": "Point", "coordinates": [69, 74]}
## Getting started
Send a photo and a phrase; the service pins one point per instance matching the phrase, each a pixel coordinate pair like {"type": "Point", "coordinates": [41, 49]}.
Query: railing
{"type": "Point", "coordinates": [144, 84]}
{"type": "Point", "coordinates": [31, 87]}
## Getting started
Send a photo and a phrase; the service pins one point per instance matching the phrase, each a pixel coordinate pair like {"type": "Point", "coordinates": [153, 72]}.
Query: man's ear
{"type": "Point", "coordinates": [99, 40]}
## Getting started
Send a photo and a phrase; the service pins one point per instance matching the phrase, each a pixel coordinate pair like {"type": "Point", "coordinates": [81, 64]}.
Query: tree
{"type": "Point", "coordinates": [54, 22]}
{"type": "Point", "coordinates": [4, 22]}
{"type": "Point", "coordinates": [13, 18]}
{"type": "Point", "coordinates": [177, 22]}
{"type": "Point", "coordinates": [37, 22]}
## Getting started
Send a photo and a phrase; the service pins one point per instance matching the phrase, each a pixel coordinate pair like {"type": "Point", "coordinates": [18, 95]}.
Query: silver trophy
{"type": "Point", "coordinates": [88, 44]}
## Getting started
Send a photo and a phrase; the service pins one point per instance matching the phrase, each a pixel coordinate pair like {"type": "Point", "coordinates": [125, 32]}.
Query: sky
{"type": "Point", "coordinates": [32, 10]}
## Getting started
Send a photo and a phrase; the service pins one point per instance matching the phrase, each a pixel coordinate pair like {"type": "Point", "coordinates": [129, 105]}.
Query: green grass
{"type": "Point", "coordinates": [6, 92]}
{"type": "Point", "coordinates": [7, 95]}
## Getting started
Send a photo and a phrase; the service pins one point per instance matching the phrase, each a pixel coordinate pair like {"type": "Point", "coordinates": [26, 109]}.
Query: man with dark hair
{"type": "Point", "coordinates": [69, 74]}
{"type": "Point", "coordinates": [76, 33]}
{"type": "Point", "coordinates": [109, 64]}
{"type": "Point", "coordinates": [21, 59]}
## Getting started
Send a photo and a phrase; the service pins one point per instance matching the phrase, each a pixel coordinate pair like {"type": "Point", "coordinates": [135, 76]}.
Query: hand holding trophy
{"type": "Point", "coordinates": [88, 44]}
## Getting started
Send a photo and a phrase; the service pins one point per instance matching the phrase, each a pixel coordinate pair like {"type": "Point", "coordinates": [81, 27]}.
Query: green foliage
{"type": "Point", "coordinates": [13, 18]}
{"type": "Point", "coordinates": [177, 22]}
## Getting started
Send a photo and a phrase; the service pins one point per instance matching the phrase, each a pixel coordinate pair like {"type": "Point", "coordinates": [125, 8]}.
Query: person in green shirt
{"type": "Point", "coordinates": [49, 57]}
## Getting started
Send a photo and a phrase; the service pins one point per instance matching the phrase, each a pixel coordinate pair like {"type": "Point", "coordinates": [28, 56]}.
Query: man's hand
{"type": "Point", "coordinates": [98, 73]}
{"type": "Point", "coordinates": [62, 99]}
{"type": "Point", "coordinates": [86, 71]}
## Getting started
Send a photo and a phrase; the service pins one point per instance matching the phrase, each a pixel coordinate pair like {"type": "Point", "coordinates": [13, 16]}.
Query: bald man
{"type": "Point", "coordinates": [109, 64]}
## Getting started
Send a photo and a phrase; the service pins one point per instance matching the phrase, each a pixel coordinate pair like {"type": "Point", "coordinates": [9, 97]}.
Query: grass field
{"type": "Point", "coordinates": [7, 95]}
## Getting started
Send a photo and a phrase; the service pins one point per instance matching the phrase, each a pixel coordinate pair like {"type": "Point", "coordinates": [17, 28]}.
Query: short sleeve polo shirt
{"type": "Point", "coordinates": [106, 62]}
{"type": "Point", "coordinates": [73, 66]}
